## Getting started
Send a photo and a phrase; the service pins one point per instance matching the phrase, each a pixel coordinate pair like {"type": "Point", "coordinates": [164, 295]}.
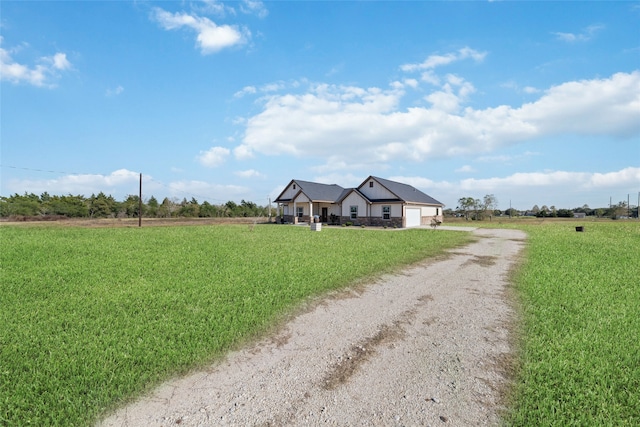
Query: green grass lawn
{"type": "Point", "coordinates": [91, 317]}
{"type": "Point", "coordinates": [580, 333]}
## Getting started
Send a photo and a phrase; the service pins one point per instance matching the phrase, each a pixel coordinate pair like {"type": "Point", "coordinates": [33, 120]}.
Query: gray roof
{"type": "Point", "coordinates": [317, 192]}
{"type": "Point", "coordinates": [405, 192]}
{"type": "Point", "coordinates": [320, 192]}
{"type": "Point", "coordinates": [334, 193]}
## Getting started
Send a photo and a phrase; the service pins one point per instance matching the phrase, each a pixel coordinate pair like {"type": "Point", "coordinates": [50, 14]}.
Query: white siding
{"type": "Point", "coordinates": [376, 192]}
{"type": "Point", "coordinates": [396, 210]}
{"type": "Point", "coordinates": [354, 199]}
{"type": "Point", "coordinates": [302, 198]}
{"type": "Point", "coordinates": [289, 192]}
{"type": "Point", "coordinates": [334, 209]}
{"type": "Point", "coordinates": [431, 211]}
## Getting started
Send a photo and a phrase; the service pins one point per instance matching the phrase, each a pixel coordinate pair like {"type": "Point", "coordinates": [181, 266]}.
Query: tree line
{"type": "Point", "coordinates": [103, 206]}
{"type": "Point", "coordinates": [477, 209]}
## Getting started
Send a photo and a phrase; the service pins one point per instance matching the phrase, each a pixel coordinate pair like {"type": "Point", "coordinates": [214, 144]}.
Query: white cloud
{"type": "Point", "coordinates": [413, 83]}
{"type": "Point", "coordinates": [347, 123]}
{"type": "Point", "coordinates": [266, 88]}
{"type": "Point", "coordinates": [250, 173]}
{"type": "Point", "coordinates": [212, 7]}
{"type": "Point", "coordinates": [254, 7]}
{"type": "Point", "coordinates": [213, 157]}
{"type": "Point", "coordinates": [455, 91]}
{"type": "Point", "coordinates": [243, 152]}
{"type": "Point", "coordinates": [247, 90]}
{"type": "Point", "coordinates": [514, 86]}
{"type": "Point", "coordinates": [563, 189]}
{"type": "Point", "coordinates": [114, 92]}
{"type": "Point", "coordinates": [625, 177]}
{"type": "Point", "coordinates": [578, 181]}
{"type": "Point", "coordinates": [434, 61]}
{"type": "Point", "coordinates": [430, 77]}
{"type": "Point", "coordinates": [59, 61]}
{"type": "Point", "coordinates": [609, 106]}
{"type": "Point", "coordinates": [465, 169]}
{"type": "Point", "coordinates": [206, 190]}
{"type": "Point", "coordinates": [42, 74]}
{"type": "Point", "coordinates": [210, 37]}
{"type": "Point", "coordinates": [586, 34]}
{"type": "Point", "coordinates": [83, 184]}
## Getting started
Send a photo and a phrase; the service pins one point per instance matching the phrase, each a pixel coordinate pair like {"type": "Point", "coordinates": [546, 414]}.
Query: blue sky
{"type": "Point", "coordinates": [537, 103]}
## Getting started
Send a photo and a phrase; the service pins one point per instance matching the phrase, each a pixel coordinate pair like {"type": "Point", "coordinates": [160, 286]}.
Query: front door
{"type": "Point", "coordinates": [323, 217]}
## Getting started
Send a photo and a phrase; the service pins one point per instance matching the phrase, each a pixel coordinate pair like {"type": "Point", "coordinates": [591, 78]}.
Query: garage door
{"type": "Point", "coordinates": [413, 217]}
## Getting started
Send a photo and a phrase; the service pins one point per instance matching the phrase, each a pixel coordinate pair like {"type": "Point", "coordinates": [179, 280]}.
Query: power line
{"type": "Point", "coordinates": [48, 171]}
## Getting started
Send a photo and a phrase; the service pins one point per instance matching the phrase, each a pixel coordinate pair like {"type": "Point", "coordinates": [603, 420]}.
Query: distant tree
{"type": "Point", "coordinates": [101, 206]}
{"type": "Point", "coordinates": [489, 203]}
{"type": "Point", "coordinates": [152, 207]}
{"type": "Point", "coordinates": [585, 209]}
{"type": "Point", "coordinates": [465, 206]}
{"type": "Point", "coordinates": [189, 209]}
{"type": "Point", "coordinates": [166, 209]}
{"type": "Point", "coordinates": [21, 205]}
{"type": "Point", "coordinates": [564, 213]}
{"type": "Point", "coordinates": [207, 210]}
{"type": "Point", "coordinates": [511, 212]}
{"type": "Point", "coordinates": [69, 206]}
{"type": "Point", "coordinates": [130, 208]}
{"type": "Point", "coordinates": [619, 210]}
{"type": "Point", "coordinates": [231, 209]}
{"type": "Point", "coordinates": [248, 209]}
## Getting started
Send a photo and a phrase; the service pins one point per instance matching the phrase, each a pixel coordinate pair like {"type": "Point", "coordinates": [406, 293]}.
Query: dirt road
{"type": "Point", "coordinates": [424, 347]}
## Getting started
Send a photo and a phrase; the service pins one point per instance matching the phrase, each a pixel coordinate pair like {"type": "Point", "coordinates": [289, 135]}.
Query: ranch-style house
{"type": "Point", "coordinates": [375, 202]}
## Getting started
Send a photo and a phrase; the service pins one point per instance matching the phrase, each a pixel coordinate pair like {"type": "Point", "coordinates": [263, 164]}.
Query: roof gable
{"type": "Point", "coordinates": [404, 192]}
{"type": "Point", "coordinates": [313, 190]}
{"type": "Point", "coordinates": [348, 191]}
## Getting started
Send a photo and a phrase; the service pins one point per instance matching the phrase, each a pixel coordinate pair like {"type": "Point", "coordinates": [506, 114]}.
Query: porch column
{"type": "Point", "coordinates": [295, 213]}
{"type": "Point", "coordinates": [310, 212]}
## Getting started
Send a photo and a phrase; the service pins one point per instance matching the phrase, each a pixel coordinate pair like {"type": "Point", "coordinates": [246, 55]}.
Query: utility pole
{"type": "Point", "coordinates": [140, 204]}
{"type": "Point", "coordinates": [269, 210]}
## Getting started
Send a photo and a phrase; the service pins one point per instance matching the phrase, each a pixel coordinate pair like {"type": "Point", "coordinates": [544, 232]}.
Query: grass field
{"type": "Point", "coordinates": [92, 316]}
{"type": "Point", "coordinates": [580, 333]}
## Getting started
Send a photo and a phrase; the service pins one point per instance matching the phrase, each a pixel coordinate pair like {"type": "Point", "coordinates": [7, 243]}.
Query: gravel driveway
{"type": "Point", "coordinates": [426, 346]}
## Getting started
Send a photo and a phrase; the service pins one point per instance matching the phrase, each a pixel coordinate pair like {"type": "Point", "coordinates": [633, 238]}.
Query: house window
{"type": "Point", "coordinates": [354, 212]}
{"type": "Point", "coordinates": [370, 184]}
{"type": "Point", "coordinates": [294, 186]}
{"type": "Point", "coordinates": [386, 212]}
{"type": "Point", "coordinates": [300, 211]}
{"type": "Point", "coordinates": [437, 211]}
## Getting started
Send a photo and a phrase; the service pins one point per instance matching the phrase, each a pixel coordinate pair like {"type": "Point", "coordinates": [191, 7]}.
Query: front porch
{"type": "Point", "coordinates": [295, 213]}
